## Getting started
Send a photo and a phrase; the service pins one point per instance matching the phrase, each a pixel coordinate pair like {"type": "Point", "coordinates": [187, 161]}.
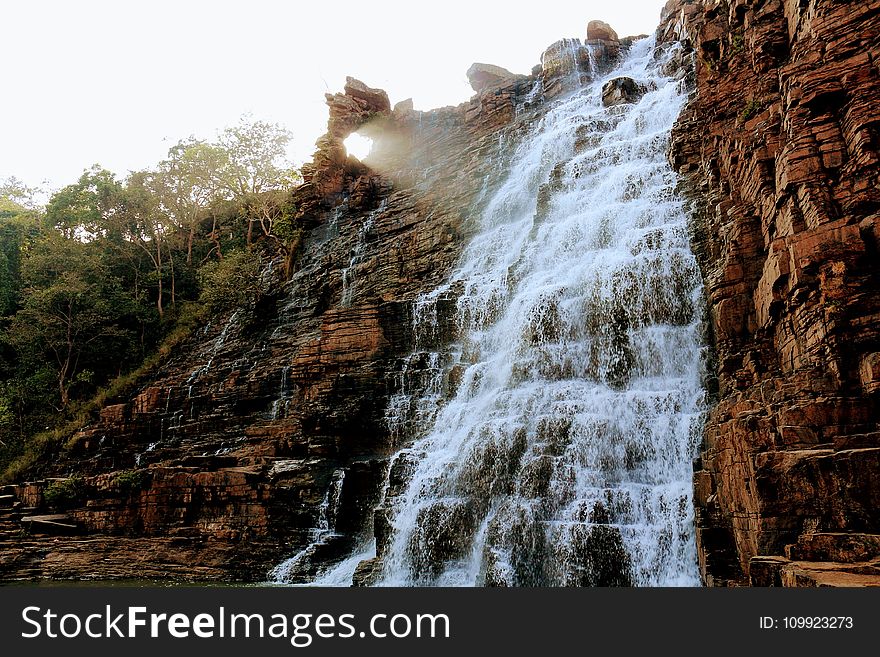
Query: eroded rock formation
{"type": "Point", "coordinates": [622, 90]}
{"type": "Point", "coordinates": [224, 463]}
{"type": "Point", "coordinates": [779, 151]}
{"type": "Point", "coordinates": [486, 76]}
{"type": "Point", "coordinates": [218, 468]}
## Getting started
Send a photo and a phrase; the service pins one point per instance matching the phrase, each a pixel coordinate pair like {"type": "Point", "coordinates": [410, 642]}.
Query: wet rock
{"type": "Point", "coordinates": [443, 532]}
{"type": "Point", "coordinates": [368, 572]}
{"type": "Point", "coordinates": [601, 558]}
{"type": "Point", "coordinates": [516, 549]}
{"type": "Point", "coordinates": [565, 66]}
{"type": "Point", "coordinates": [777, 152]}
{"type": "Point", "coordinates": [606, 46]}
{"type": "Point", "coordinates": [622, 90]}
{"type": "Point", "coordinates": [382, 530]}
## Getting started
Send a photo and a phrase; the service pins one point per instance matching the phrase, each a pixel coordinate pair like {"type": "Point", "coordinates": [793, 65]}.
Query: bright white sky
{"type": "Point", "coordinates": [117, 83]}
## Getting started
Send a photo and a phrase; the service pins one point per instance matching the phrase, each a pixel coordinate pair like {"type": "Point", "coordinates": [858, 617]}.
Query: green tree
{"type": "Point", "coordinates": [145, 225]}
{"type": "Point", "coordinates": [231, 282]}
{"type": "Point", "coordinates": [124, 217]}
{"type": "Point", "coordinates": [72, 317]}
{"type": "Point", "coordinates": [14, 193]}
{"type": "Point", "coordinates": [255, 163]}
{"type": "Point", "coordinates": [187, 182]}
{"type": "Point", "coordinates": [85, 281]}
{"type": "Point", "coordinates": [87, 207]}
{"type": "Point", "coordinates": [19, 227]}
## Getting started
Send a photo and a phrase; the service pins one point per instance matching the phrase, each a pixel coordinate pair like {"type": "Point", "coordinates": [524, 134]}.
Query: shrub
{"type": "Point", "coordinates": [232, 282]}
{"type": "Point", "coordinates": [130, 482]}
{"type": "Point", "coordinates": [64, 493]}
{"type": "Point", "coordinates": [751, 108]}
{"type": "Point", "coordinates": [736, 43]}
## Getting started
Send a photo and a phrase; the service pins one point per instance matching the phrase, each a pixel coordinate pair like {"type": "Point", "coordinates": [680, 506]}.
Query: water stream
{"type": "Point", "coordinates": [549, 427]}
{"type": "Point", "coordinates": [307, 561]}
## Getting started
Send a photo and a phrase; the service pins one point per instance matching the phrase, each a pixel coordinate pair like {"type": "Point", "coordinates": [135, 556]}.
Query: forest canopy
{"type": "Point", "coordinates": [112, 271]}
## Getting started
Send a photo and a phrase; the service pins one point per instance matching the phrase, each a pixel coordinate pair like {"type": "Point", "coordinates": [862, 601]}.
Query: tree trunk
{"type": "Point", "coordinates": [158, 263]}
{"type": "Point", "coordinates": [215, 238]}
{"type": "Point", "coordinates": [159, 296]}
{"type": "Point", "coordinates": [189, 242]}
{"type": "Point", "coordinates": [62, 380]}
{"type": "Point", "coordinates": [173, 281]}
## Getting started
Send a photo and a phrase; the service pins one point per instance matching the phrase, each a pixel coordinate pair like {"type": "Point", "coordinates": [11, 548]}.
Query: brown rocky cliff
{"type": "Point", "coordinates": [779, 148]}
{"type": "Point", "coordinates": [217, 469]}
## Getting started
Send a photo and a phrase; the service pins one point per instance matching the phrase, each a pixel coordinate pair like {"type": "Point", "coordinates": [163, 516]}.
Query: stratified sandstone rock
{"type": "Point", "coordinates": [606, 47]}
{"type": "Point", "coordinates": [350, 110]}
{"type": "Point", "coordinates": [376, 99]}
{"type": "Point", "coordinates": [779, 149]}
{"type": "Point", "coordinates": [368, 572]}
{"type": "Point", "coordinates": [565, 66]}
{"type": "Point", "coordinates": [403, 108]}
{"type": "Point", "coordinates": [600, 31]}
{"type": "Point", "coordinates": [622, 90]}
{"type": "Point", "coordinates": [486, 76]}
{"type": "Point", "coordinates": [869, 371]}
{"type": "Point", "coordinates": [218, 468]}
{"type": "Point", "coordinates": [569, 64]}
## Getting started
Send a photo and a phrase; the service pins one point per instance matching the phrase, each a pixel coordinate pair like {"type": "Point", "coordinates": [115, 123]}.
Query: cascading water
{"type": "Point", "coordinates": [552, 405]}
{"type": "Point", "coordinates": [563, 457]}
{"type": "Point", "coordinates": [307, 561]}
{"type": "Point", "coordinates": [357, 255]}
{"type": "Point", "coordinates": [280, 405]}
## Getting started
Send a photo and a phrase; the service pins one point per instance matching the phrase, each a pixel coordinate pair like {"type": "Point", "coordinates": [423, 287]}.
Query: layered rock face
{"type": "Point", "coordinates": [778, 149]}
{"type": "Point", "coordinates": [222, 465]}
{"type": "Point", "coordinates": [234, 444]}
{"type": "Point", "coordinates": [271, 423]}
{"type": "Point", "coordinates": [267, 434]}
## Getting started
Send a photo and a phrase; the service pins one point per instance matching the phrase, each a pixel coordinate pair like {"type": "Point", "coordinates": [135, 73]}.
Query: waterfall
{"type": "Point", "coordinates": [562, 453]}
{"type": "Point", "coordinates": [282, 402]}
{"type": "Point", "coordinates": [358, 253]}
{"type": "Point", "coordinates": [548, 415]}
{"type": "Point", "coordinates": [308, 562]}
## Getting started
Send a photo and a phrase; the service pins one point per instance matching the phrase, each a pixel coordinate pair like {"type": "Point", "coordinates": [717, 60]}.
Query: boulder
{"type": "Point", "coordinates": [600, 31]}
{"type": "Point", "coordinates": [376, 99]}
{"type": "Point", "coordinates": [622, 90]}
{"type": "Point", "coordinates": [367, 573]}
{"type": "Point", "coordinates": [485, 76]}
{"type": "Point", "coordinates": [605, 45]}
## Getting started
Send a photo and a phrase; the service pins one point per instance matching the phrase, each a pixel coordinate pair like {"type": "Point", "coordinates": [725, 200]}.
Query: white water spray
{"type": "Point", "coordinates": [563, 457]}
{"type": "Point", "coordinates": [305, 560]}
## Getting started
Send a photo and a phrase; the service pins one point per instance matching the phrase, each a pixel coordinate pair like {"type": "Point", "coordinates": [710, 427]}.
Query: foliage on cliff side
{"type": "Point", "coordinates": [99, 286]}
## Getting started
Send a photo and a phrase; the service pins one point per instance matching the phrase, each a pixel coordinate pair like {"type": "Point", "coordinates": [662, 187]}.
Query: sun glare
{"type": "Point", "coordinates": [358, 145]}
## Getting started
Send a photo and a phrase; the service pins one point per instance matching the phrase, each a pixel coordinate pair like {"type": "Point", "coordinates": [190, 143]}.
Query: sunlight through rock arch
{"type": "Point", "coordinates": [358, 145]}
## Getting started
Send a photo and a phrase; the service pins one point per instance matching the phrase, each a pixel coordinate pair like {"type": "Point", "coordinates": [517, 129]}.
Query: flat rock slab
{"type": "Point", "coordinates": [54, 517]}
{"type": "Point", "coordinates": [56, 524]}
